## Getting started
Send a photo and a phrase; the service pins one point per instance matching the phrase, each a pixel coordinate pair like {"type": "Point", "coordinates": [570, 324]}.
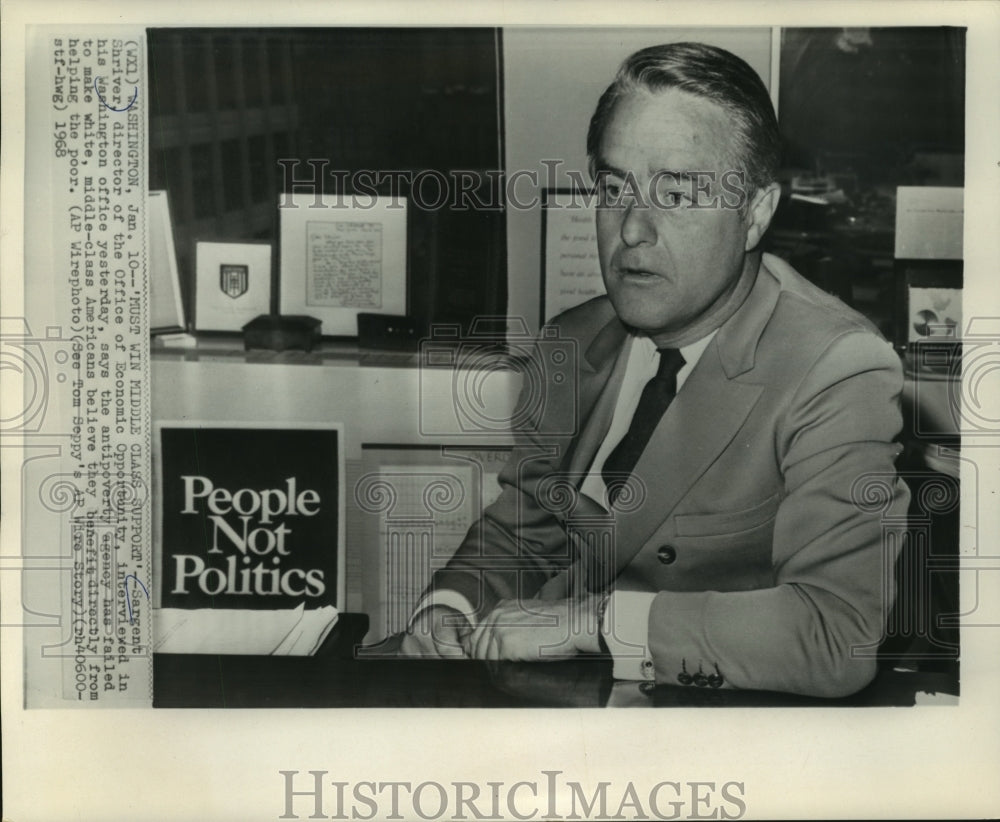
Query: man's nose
{"type": "Point", "coordinates": [637, 225]}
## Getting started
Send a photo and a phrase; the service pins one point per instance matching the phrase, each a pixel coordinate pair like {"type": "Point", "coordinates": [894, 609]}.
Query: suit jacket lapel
{"type": "Point", "coordinates": [701, 421]}
{"type": "Point", "coordinates": [708, 411]}
{"type": "Point", "coordinates": [601, 375]}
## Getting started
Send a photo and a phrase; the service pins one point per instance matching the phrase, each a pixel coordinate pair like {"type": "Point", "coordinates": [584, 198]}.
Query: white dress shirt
{"type": "Point", "coordinates": [625, 626]}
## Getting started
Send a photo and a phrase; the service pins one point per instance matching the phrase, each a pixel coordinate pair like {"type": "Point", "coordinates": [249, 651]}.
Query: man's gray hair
{"type": "Point", "coordinates": [712, 73]}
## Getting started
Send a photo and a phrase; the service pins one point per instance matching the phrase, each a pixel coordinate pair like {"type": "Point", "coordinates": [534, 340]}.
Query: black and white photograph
{"type": "Point", "coordinates": [712, 495]}
{"type": "Point", "coordinates": [376, 369]}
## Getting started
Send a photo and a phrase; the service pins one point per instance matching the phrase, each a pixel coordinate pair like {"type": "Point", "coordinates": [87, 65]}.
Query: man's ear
{"type": "Point", "coordinates": [762, 208]}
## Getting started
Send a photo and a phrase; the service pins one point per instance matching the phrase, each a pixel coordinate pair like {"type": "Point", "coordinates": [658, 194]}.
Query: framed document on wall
{"type": "Point", "coordinates": [342, 255]}
{"type": "Point", "coordinates": [571, 270]}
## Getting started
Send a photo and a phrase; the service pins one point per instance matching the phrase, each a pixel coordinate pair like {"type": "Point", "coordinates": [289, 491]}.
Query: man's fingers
{"type": "Point", "coordinates": [510, 632]}
{"type": "Point", "coordinates": [491, 638]}
{"type": "Point", "coordinates": [480, 638]}
{"type": "Point", "coordinates": [468, 640]}
{"type": "Point", "coordinates": [486, 641]}
{"type": "Point", "coordinates": [417, 645]}
{"type": "Point", "coordinates": [446, 641]}
{"type": "Point", "coordinates": [491, 651]}
{"type": "Point", "coordinates": [436, 633]}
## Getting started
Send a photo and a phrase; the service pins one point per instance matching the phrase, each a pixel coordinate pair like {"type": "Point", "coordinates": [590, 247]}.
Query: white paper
{"type": "Point", "coordinates": [344, 264]}
{"type": "Point", "coordinates": [306, 637]}
{"type": "Point", "coordinates": [929, 223]}
{"type": "Point", "coordinates": [285, 632]}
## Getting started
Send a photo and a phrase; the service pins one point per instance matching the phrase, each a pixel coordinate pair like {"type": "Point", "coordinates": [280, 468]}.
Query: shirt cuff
{"type": "Point", "coordinates": [448, 599]}
{"type": "Point", "coordinates": [625, 630]}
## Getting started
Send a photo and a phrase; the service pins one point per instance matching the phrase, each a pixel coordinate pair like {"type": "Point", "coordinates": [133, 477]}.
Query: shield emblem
{"type": "Point", "coordinates": [234, 280]}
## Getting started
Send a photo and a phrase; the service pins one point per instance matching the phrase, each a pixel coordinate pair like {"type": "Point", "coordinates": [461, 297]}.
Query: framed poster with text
{"type": "Point", "coordinates": [248, 536]}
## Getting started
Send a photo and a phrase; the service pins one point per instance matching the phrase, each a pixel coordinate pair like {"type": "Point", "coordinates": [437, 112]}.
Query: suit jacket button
{"type": "Point", "coordinates": [667, 554]}
{"type": "Point", "coordinates": [700, 680]}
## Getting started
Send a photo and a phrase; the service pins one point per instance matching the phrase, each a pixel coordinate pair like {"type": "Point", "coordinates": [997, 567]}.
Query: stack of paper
{"type": "Point", "coordinates": [286, 632]}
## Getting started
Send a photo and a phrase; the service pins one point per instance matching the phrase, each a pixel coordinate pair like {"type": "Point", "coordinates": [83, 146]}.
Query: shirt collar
{"type": "Point", "coordinates": [691, 353]}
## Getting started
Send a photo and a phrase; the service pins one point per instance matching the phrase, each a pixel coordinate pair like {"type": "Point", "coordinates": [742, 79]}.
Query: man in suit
{"type": "Point", "coordinates": [709, 523]}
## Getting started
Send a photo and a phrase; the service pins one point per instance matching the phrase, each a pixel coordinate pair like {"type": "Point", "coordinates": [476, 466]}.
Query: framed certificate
{"type": "Point", "coordinates": [342, 255]}
{"type": "Point", "coordinates": [233, 284]}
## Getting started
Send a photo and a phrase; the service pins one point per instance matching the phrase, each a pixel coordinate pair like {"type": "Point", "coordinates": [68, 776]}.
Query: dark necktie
{"type": "Point", "coordinates": [656, 396]}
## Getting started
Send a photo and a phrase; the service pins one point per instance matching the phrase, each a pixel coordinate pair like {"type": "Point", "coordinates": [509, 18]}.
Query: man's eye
{"type": "Point", "coordinates": [611, 195]}
{"type": "Point", "coordinates": [673, 198]}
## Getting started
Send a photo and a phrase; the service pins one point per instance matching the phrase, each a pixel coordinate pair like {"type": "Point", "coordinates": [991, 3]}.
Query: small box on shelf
{"type": "Point", "coordinates": [282, 333]}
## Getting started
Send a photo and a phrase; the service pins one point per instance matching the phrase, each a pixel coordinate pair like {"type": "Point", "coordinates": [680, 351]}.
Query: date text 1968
{"type": "Point", "coordinates": [99, 188]}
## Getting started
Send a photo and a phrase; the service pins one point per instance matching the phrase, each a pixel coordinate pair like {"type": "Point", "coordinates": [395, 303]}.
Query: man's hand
{"type": "Point", "coordinates": [438, 631]}
{"type": "Point", "coordinates": [536, 630]}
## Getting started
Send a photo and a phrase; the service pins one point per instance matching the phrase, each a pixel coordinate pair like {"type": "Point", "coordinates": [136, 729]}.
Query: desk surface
{"type": "Point", "coordinates": [339, 677]}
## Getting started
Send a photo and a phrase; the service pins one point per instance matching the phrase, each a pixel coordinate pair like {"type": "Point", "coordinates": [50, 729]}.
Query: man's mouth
{"type": "Point", "coordinates": [629, 273]}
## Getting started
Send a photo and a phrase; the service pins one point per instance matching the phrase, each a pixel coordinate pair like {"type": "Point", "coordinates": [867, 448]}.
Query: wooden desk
{"type": "Point", "coordinates": [339, 677]}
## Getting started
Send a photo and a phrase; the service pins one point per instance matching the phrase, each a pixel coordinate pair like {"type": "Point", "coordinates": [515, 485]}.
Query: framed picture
{"type": "Point", "coordinates": [571, 270]}
{"type": "Point", "coordinates": [233, 284]}
{"type": "Point", "coordinates": [166, 305]}
{"type": "Point", "coordinates": [929, 303]}
{"type": "Point", "coordinates": [929, 267]}
{"type": "Point", "coordinates": [340, 256]}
